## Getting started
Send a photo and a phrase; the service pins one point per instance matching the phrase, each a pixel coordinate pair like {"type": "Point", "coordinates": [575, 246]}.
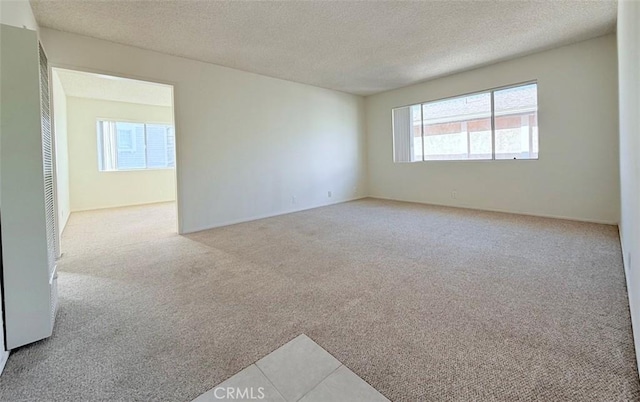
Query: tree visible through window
{"type": "Point", "coordinates": [496, 124]}
{"type": "Point", "coordinates": [130, 146]}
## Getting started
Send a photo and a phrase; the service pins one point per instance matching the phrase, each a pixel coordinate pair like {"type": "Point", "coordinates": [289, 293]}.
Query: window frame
{"type": "Point", "coordinates": [491, 92]}
{"type": "Point", "coordinates": [144, 124]}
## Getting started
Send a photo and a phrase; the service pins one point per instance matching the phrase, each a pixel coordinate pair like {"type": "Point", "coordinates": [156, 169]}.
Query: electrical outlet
{"type": "Point", "coordinates": [454, 195]}
{"type": "Point", "coordinates": [329, 194]}
{"type": "Point", "coordinates": [293, 199]}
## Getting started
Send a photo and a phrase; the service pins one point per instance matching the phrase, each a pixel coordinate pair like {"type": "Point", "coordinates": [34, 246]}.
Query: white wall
{"type": "Point", "coordinates": [629, 68]}
{"type": "Point", "coordinates": [246, 144]}
{"type": "Point", "coordinates": [59, 108]}
{"type": "Point", "coordinates": [577, 174]}
{"type": "Point", "coordinates": [93, 189]}
{"type": "Point", "coordinates": [17, 13]}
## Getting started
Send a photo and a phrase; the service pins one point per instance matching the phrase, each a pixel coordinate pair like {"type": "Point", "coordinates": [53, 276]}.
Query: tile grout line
{"type": "Point", "coordinates": [366, 382]}
{"type": "Point", "coordinates": [341, 364]}
{"type": "Point", "coordinates": [269, 379]}
{"type": "Point", "coordinates": [321, 381]}
{"type": "Point", "coordinates": [255, 363]}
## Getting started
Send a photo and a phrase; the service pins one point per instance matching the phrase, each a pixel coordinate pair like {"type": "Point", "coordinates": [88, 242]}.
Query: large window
{"type": "Point", "coordinates": [131, 146]}
{"type": "Point", "coordinates": [496, 124]}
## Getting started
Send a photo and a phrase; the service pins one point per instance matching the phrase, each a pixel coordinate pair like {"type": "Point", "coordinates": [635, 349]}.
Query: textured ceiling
{"type": "Point", "coordinates": [357, 47]}
{"type": "Point", "coordinates": [97, 86]}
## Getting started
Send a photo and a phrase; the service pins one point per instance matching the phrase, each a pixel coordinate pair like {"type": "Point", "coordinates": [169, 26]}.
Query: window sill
{"type": "Point", "coordinates": [467, 160]}
{"type": "Point", "coordinates": [135, 170]}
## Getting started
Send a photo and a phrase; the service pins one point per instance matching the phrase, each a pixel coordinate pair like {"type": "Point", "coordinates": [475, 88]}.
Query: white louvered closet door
{"type": "Point", "coordinates": [49, 186]}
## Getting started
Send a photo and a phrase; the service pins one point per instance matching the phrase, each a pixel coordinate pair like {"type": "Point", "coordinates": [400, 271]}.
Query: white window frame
{"type": "Point", "coordinates": [144, 124]}
{"type": "Point", "coordinates": [491, 91]}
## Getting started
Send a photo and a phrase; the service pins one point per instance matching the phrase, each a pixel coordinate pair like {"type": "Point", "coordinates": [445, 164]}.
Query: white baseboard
{"type": "Point", "coordinates": [630, 295]}
{"type": "Point", "coordinates": [140, 204]}
{"type": "Point", "coordinates": [4, 356]}
{"type": "Point", "coordinates": [264, 216]}
{"type": "Point", "coordinates": [625, 263]}
{"type": "Point", "coordinates": [504, 211]}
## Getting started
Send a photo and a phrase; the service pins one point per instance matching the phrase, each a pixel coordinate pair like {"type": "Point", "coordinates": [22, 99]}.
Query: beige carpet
{"type": "Point", "coordinates": [424, 303]}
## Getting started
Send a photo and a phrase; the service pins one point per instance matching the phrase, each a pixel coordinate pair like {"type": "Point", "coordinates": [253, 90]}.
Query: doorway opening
{"type": "Point", "coordinates": [115, 159]}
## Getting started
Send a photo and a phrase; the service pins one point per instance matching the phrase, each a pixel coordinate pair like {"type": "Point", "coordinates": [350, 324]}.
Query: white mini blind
{"type": "Point", "coordinates": [47, 162]}
{"type": "Point", "coordinates": [402, 135]}
{"type": "Point", "coordinates": [49, 186]}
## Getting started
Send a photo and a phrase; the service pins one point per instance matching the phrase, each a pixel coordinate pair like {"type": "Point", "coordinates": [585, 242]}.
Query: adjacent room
{"type": "Point", "coordinates": [115, 148]}
{"type": "Point", "coordinates": [319, 201]}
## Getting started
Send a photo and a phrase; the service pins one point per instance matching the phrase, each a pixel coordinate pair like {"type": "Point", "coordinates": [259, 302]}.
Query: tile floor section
{"type": "Point", "coordinates": [301, 371]}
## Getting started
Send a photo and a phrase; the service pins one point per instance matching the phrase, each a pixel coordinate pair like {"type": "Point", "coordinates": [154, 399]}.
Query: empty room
{"type": "Point", "coordinates": [115, 160]}
{"type": "Point", "coordinates": [319, 201]}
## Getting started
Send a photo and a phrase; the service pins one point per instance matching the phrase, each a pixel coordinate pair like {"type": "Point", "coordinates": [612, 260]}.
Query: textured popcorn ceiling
{"type": "Point", "coordinates": [356, 47]}
{"type": "Point", "coordinates": [103, 87]}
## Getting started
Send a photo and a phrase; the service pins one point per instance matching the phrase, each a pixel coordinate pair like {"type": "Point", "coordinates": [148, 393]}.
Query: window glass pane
{"type": "Point", "coordinates": [458, 128]}
{"type": "Point", "coordinates": [125, 146]}
{"type": "Point", "coordinates": [479, 138]}
{"type": "Point", "coordinates": [130, 146]}
{"type": "Point", "coordinates": [416, 119]}
{"type": "Point", "coordinates": [171, 147]}
{"type": "Point", "coordinates": [516, 120]}
{"type": "Point", "coordinates": [157, 144]}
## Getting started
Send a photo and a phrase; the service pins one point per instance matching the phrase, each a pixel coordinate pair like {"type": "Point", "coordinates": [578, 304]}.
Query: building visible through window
{"type": "Point", "coordinates": [496, 124]}
{"type": "Point", "coordinates": [131, 146]}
